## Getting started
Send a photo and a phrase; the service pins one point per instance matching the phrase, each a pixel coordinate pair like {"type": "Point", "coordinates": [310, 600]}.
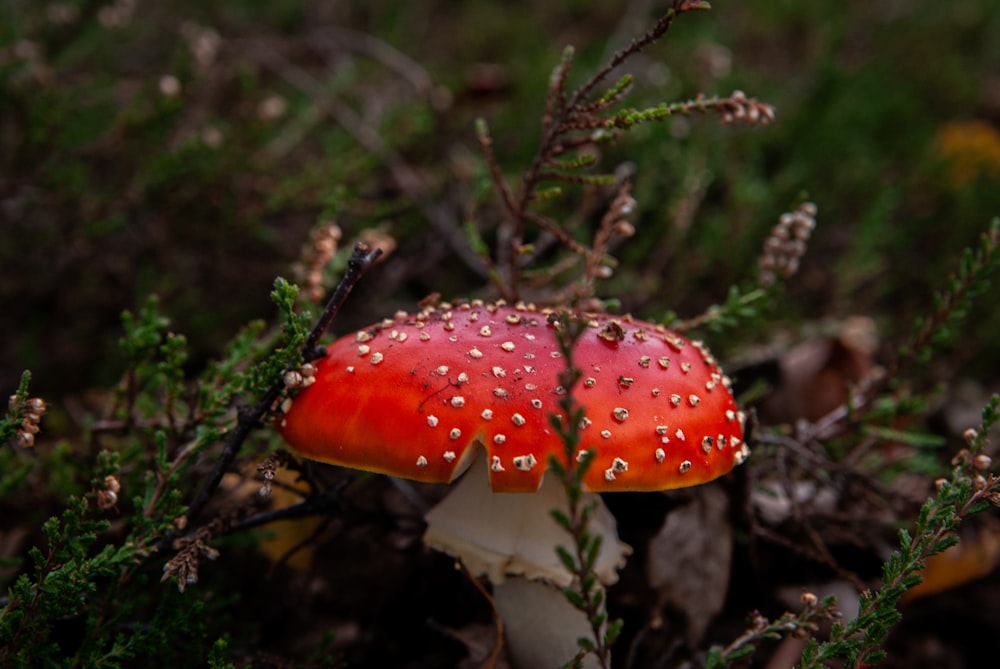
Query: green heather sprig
{"type": "Point", "coordinates": [952, 304]}
{"type": "Point", "coordinates": [970, 489]}
{"type": "Point", "coordinates": [586, 593]}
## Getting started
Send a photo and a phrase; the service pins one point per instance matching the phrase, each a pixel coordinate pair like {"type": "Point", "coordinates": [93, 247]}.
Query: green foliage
{"type": "Point", "coordinates": [965, 493]}
{"type": "Point", "coordinates": [158, 425]}
{"type": "Point", "coordinates": [953, 304]}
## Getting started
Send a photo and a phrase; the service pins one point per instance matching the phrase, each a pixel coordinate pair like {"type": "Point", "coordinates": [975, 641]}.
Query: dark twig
{"type": "Point", "coordinates": [361, 260]}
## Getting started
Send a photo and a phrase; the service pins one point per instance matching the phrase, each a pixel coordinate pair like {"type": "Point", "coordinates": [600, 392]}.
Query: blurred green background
{"type": "Point", "coordinates": [187, 148]}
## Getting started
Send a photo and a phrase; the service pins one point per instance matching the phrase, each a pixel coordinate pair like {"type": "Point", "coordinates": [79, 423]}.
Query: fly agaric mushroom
{"type": "Point", "coordinates": [417, 395]}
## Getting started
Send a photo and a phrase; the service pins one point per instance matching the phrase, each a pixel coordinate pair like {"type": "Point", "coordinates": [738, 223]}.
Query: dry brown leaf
{"type": "Point", "coordinates": [690, 558]}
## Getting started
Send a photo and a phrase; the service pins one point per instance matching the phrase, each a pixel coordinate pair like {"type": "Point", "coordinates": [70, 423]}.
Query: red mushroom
{"type": "Point", "coordinates": [417, 395]}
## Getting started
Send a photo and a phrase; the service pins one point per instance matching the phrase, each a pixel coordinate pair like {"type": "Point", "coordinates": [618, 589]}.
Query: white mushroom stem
{"type": "Point", "coordinates": [511, 538]}
{"type": "Point", "coordinates": [541, 627]}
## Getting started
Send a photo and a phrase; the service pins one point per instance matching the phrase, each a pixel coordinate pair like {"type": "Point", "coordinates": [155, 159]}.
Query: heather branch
{"type": "Point", "coordinates": [361, 260]}
{"type": "Point", "coordinates": [562, 117]}
{"type": "Point", "coordinates": [586, 593]}
{"type": "Point", "coordinates": [637, 45]}
{"type": "Point", "coordinates": [969, 490]}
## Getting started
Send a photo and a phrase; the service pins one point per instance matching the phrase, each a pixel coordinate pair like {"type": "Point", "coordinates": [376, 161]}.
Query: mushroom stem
{"type": "Point", "coordinates": [511, 538]}
{"type": "Point", "coordinates": [541, 627]}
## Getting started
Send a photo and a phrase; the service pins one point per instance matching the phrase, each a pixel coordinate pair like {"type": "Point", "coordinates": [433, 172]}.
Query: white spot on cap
{"type": "Point", "coordinates": [425, 336]}
{"type": "Point", "coordinates": [376, 358]}
{"type": "Point", "coordinates": [606, 434]}
{"type": "Point", "coordinates": [475, 353]}
{"type": "Point", "coordinates": [620, 414]}
{"type": "Point", "coordinates": [664, 362]}
{"type": "Point", "coordinates": [455, 433]}
{"type": "Point", "coordinates": [458, 401]}
{"type": "Point", "coordinates": [675, 399]}
{"type": "Point", "coordinates": [442, 370]}
{"type": "Point", "coordinates": [525, 462]}
{"type": "Point", "coordinates": [679, 434]}
{"type": "Point", "coordinates": [537, 404]}
{"type": "Point", "coordinates": [734, 441]}
{"type": "Point", "coordinates": [365, 335]}
{"type": "Point", "coordinates": [618, 466]}
{"type": "Point", "coordinates": [507, 346]}
{"type": "Point", "coordinates": [487, 414]}
{"type": "Point", "coordinates": [660, 454]}
{"type": "Point", "coordinates": [449, 456]}
{"type": "Point", "coordinates": [463, 377]}
{"type": "Point", "coordinates": [694, 400]}
{"type": "Point", "coordinates": [706, 444]}
{"type": "Point", "coordinates": [590, 382]}
{"type": "Point", "coordinates": [350, 369]}
{"type": "Point", "coordinates": [730, 415]}
{"type": "Point", "coordinates": [580, 455]}
{"type": "Point", "coordinates": [500, 392]}
{"type": "Point", "coordinates": [673, 341]}
{"type": "Point", "coordinates": [432, 421]}
{"type": "Point", "coordinates": [499, 439]}
{"type": "Point", "coordinates": [720, 442]}
{"type": "Point", "coordinates": [485, 331]}
{"type": "Point", "coordinates": [656, 392]}
{"type": "Point", "coordinates": [685, 367]}
{"type": "Point", "coordinates": [495, 464]}
{"type": "Point", "coordinates": [644, 361]}
{"type": "Point", "coordinates": [498, 372]}
{"type": "Point", "coordinates": [421, 461]}
{"type": "Point", "coordinates": [585, 423]}
{"type": "Point", "coordinates": [686, 465]}
{"type": "Point", "coordinates": [364, 350]}
{"type": "Point", "coordinates": [661, 430]}
{"type": "Point", "coordinates": [740, 456]}
{"type": "Point", "coordinates": [517, 419]}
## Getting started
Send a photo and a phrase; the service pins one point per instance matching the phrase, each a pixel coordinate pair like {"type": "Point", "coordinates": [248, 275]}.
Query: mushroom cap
{"type": "Point", "coordinates": [417, 394]}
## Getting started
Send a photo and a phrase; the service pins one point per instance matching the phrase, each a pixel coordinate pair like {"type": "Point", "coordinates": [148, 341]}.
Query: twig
{"type": "Point", "coordinates": [361, 260]}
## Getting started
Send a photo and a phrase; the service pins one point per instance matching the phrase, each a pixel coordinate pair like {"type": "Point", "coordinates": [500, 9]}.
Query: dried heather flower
{"type": "Point", "coordinates": [739, 108]}
{"type": "Point", "coordinates": [31, 411]}
{"type": "Point", "coordinates": [316, 255]}
{"type": "Point", "coordinates": [786, 245]}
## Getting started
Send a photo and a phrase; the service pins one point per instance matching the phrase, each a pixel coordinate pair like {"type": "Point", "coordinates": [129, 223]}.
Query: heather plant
{"type": "Point", "coordinates": [138, 535]}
